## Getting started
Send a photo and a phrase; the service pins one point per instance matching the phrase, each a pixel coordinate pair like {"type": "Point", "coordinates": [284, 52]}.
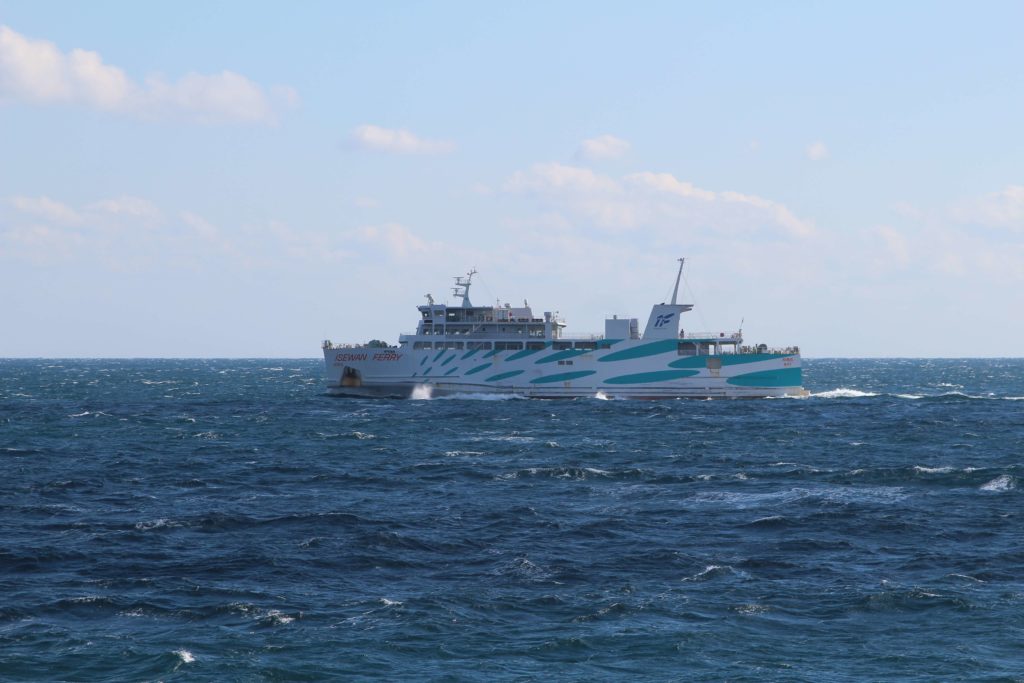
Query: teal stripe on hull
{"type": "Point", "coordinates": [503, 375]}
{"type": "Point", "coordinates": [726, 358]}
{"type": "Point", "coordinates": [448, 360]}
{"type": "Point", "coordinates": [642, 351]}
{"type": "Point", "coordinates": [451, 371]}
{"type": "Point", "coordinates": [562, 355]}
{"type": "Point", "coordinates": [439, 354]}
{"type": "Point", "coordinates": [562, 377]}
{"type": "Point", "coordinates": [782, 377]}
{"type": "Point", "coordinates": [490, 354]}
{"type": "Point", "coordinates": [469, 354]}
{"type": "Point", "coordinates": [479, 368]}
{"type": "Point", "coordinates": [523, 354]}
{"type": "Point", "coordinates": [651, 377]}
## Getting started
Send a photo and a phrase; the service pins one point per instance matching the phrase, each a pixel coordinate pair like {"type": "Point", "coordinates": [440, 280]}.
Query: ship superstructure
{"type": "Point", "coordinates": [467, 349]}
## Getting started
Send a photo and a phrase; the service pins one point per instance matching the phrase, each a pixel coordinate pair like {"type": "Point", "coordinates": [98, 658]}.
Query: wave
{"type": "Point", "coordinates": [1003, 482]}
{"type": "Point", "coordinates": [843, 393]}
{"type": "Point", "coordinates": [713, 571]}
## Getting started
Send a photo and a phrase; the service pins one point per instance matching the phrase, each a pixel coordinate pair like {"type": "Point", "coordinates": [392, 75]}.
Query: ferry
{"type": "Point", "coordinates": [504, 349]}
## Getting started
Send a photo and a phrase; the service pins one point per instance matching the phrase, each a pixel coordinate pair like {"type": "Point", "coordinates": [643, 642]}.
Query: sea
{"type": "Point", "coordinates": [227, 520]}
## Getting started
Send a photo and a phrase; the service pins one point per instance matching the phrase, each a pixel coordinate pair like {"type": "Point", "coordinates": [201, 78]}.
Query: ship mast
{"type": "Point", "coordinates": [675, 291]}
{"type": "Point", "coordinates": [461, 288]}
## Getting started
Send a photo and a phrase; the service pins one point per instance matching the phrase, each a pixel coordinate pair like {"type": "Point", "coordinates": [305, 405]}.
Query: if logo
{"type": "Point", "coordinates": [663, 320]}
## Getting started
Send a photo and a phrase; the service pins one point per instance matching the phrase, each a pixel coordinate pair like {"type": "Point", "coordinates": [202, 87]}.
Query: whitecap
{"type": "Point", "coordinates": [912, 397]}
{"type": "Point", "coordinates": [277, 617]}
{"type": "Point", "coordinates": [421, 392]}
{"type": "Point", "coordinates": [390, 603]}
{"type": "Point", "coordinates": [932, 470]}
{"type": "Point", "coordinates": [155, 524]}
{"type": "Point", "coordinates": [844, 393]}
{"type": "Point", "coordinates": [1003, 482]}
{"type": "Point", "coordinates": [711, 571]}
{"type": "Point", "coordinates": [186, 656]}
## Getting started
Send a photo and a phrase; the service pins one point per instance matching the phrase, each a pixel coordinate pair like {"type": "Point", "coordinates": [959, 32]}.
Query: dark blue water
{"type": "Point", "coordinates": [225, 520]}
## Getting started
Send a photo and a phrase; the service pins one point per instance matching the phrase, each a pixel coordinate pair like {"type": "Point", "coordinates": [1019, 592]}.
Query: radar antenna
{"type": "Point", "coordinates": [461, 288]}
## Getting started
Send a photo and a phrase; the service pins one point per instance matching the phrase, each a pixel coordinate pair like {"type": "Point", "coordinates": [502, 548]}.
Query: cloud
{"type": "Point", "coordinates": [47, 209]}
{"type": "Point", "coordinates": [395, 239]}
{"type": "Point", "coordinates": [38, 72]}
{"type": "Point", "coordinates": [398, 141]}
{"type": "Point", "coordinates": [1003, 209]}
{"type": "Point", "coordinates": [602, 147]}
{"type": "Point", "coordinates": [132, 207]}
{"type": "Point", "coordinates": [656, 201]}
{"type": "Point", "coordinates": [666, 182]}
{"type": "Point", "coordinates": [895, 247]}
{"type": "Point", "coordinates": [365, 203]}
{"type": "Point", "coordinates": [817, 151]}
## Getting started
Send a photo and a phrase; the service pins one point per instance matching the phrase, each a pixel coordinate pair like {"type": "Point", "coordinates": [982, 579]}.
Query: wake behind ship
{"type": "Point", "coordinates": [505, 349]}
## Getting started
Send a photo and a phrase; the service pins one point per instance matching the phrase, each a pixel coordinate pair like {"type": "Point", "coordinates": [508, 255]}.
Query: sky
{"type": "Point", "coordinates": [246, 179]}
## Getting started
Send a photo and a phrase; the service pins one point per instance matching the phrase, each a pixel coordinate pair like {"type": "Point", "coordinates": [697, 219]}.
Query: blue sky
{"type": "Point", "coordinates": [246, 179]}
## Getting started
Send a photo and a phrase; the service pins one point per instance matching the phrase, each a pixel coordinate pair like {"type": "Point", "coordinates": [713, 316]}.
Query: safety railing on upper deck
{"type": "Point", "coordinates": [710, 335]}
{"type": "Point", "coordinates": [777, 350]}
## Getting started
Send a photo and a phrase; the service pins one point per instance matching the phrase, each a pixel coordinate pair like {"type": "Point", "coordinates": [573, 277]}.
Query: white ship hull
{"type": "Point", "coordinates": [632, 369]}
{"type": "Point", "coordinates": [509, 350]}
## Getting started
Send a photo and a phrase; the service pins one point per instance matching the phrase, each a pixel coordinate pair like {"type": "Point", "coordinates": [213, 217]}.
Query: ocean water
{"type": "Point", "coordinates": [219, 520]}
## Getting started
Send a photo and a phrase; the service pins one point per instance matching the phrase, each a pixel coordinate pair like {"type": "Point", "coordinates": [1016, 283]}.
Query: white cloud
{"type": "Point", "coordinates": [895, 247]}
{"type": "Point", "coordinates": [132, 207]}
{"type": "Point", "coordinates": [395, 239]}
{"type": "Point", "coordinates": [556, 178]}
{"type": "Point", "coordinates": [37, 71]}
{"type": "Point", "coordinates": [46, 208]}
{"type": "Point", "coordinates": [666, 182]}
{"type": "Point", "coordinates": [1003, 209]}
{"type": "Point", "coordinates": [40, 245]}
{"type": "Point", "coordinates": [365, 202]}
{"type": "Point", "coordinates": [656, 201]}
{"type": "Point", "coordinates": [602, 147]}
{"type": "Point", "coordinates": [817, 151]}
{"type": "Point", "coordinates": [397, 141]}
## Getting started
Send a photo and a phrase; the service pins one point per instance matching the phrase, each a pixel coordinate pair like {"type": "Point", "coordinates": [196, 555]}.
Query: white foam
{"type": "Point", "coordinates": [186, 656]}
{"type": "Point", "coordinates": [421, 392]}
{"type": "Point", "coordinates": [155, 524]}
{"type": "Point", "coordinates": [390, 603]}
{"type": "Point", "coordinates": [932, 470]}
{"type": "Point", "coordinates": [912, 397]}
{"type": "Point", "coordinates": [844, 393]}
{"type": "Point", "coordinates": [1003, 482]}
{"type": "Point", "coordinates": [278, 617]}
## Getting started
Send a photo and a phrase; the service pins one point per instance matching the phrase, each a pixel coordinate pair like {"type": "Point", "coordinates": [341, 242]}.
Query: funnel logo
{"type": "Point", "coordinates": [663, 320]}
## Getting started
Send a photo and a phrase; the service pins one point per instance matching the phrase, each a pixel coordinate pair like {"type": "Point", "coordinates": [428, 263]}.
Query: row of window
{"type": "Point", "coordinates": [685, 348]}
{"type": "Point", "coordinates": [514, 345]}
